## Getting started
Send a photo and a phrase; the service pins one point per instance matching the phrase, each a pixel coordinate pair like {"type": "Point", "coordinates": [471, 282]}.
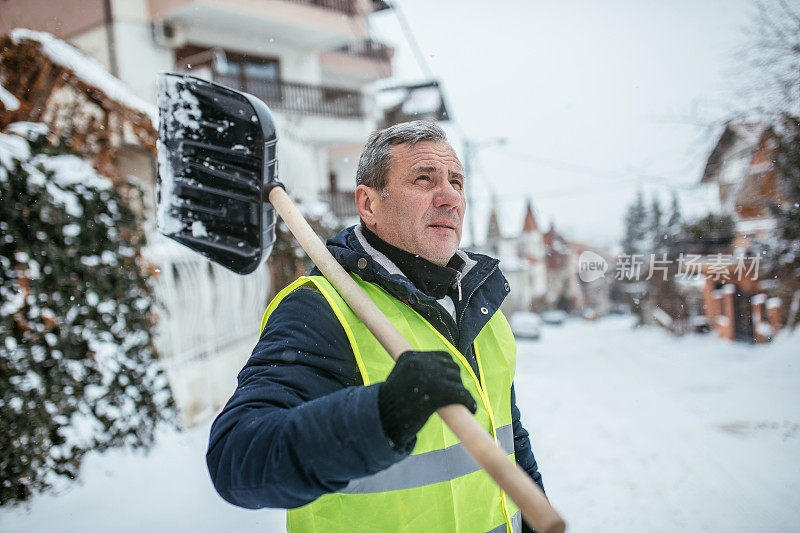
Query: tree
{"type": "Point", "coordinates": [635, 244]}
{"type": "Point", "coordinates": [78, 368]}
{"type": "Point", "coordinates": [656, 230]}
{"type": "Point", "coordinates": [709, 233]}
{"type": "Point", "coordinates": [634, 240]}
{"type": "Point", "coordinates": [774, 53]}
{"type": "Point", "coordinates": [774, 56]}
{"type": "Point", "coordinates": [673, 227]}
{"type": "Point", "coordinates": [781, 252]}
{"type": "Point", "coordinates": [655, 238]}
{"type": "Point", "coordinates": [663, 291]}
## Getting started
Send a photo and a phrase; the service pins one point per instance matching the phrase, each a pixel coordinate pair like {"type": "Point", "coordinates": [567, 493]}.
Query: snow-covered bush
{"type": "Point", "coordinates": [78, 368]}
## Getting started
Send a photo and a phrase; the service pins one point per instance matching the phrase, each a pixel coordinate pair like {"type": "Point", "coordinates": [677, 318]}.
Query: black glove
{"type": "Point", "coordinates": [419, 384]}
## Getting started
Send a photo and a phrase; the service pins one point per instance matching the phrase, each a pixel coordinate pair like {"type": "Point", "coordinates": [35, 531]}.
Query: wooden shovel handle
{"type": "Point", "coordinates": [480, 445]}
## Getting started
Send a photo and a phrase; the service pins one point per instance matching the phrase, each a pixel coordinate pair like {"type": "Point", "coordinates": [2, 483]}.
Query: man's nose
{"type": "Point", "coordinates": [448, 194]}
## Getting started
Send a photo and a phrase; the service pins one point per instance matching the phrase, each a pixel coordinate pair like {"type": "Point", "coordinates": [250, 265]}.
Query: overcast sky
{"type": "Point", "coordinates": [596, 99]}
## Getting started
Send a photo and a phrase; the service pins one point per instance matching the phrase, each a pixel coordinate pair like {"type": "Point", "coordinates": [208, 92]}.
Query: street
{"type": "Point", "coordinates": [634, 431]}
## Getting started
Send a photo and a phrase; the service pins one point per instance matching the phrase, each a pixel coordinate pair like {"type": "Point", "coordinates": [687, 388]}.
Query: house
{"type": "Point", "coordinates": [542, 268]}
{"type": "Point", "coordinates": [531, 250]}
{"type": "Point", "coordinates": [515, 267]}
{"type": "Point", "coordinates": [740, 165]}
{"type": "Point", "coordinates": [735, 298]}
{"type": "Point", "coordinates": [592, 297]}
{"type": "Point", "coordinates": [310, 60]}
{"type": "Point", "coordinates": [562, 272]}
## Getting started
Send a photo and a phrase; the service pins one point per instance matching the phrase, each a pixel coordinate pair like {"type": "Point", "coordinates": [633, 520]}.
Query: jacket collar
{"type": "Point", "coordinates": [350, 245]}
{"type": "Point", "coordinates": [483, 286]}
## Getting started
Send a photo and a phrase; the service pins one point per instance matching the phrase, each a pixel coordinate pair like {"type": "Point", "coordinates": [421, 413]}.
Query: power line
{"type": "Point", "coordinates": [596, 172]}
{"type": "Point", "coordinates": [412, 40]}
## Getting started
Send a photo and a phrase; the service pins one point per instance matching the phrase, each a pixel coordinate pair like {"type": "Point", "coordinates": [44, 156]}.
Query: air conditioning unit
{"type": "Point", "coordinates": [168, 34]}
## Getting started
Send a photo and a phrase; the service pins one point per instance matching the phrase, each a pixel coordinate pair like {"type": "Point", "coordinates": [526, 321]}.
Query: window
{"type": "Point", "coordinates": [257, 75]}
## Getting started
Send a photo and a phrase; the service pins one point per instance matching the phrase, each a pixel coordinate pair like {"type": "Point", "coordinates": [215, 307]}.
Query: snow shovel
{"type": "Point", "coordinates": [218, 194]}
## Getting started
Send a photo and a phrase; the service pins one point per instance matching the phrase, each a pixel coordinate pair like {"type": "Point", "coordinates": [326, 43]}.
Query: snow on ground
{"type": "Point", "coordinates": [166, 490]}
{"type": "Point", "coordinates": [634, 431]}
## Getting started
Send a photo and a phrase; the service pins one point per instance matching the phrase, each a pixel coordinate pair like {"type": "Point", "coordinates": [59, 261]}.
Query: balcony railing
{"type": "Point", "coordinates": [367, 48]}
{"type": "Point", "coordinates": [300, 98]}
{"type": "Point", "coordinates": [342, 6]}
{"type": "Point", "coordinates": [342, 203]}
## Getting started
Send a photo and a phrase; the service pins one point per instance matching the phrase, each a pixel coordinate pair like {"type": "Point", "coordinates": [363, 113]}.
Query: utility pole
{"type": "Point", "coordinates": [471, 148]}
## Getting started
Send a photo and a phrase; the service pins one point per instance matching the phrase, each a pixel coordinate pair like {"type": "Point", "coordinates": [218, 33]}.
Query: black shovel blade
{"type": "Point", "coordinates": [216, 154]}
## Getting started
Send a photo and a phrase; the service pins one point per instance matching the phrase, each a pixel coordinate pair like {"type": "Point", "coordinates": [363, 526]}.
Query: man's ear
{"type": "Point", "coordinates": [366, 202]}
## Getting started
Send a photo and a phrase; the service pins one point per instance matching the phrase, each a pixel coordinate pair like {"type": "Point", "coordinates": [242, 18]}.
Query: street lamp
{"type": "Point", "coordinates": [471, 149]}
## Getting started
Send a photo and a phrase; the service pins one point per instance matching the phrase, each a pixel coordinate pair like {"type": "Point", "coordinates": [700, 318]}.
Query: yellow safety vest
{"type": "Point", "coordinates": [439, 487]}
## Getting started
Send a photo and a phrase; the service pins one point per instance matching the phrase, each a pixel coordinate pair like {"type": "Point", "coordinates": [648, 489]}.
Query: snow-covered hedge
{"type": "Point", "coordinates": [78, 367]}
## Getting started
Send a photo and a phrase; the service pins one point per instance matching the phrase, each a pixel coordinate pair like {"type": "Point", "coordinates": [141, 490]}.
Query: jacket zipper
{"type": "Point", "coordinates": [458, 283]}
{"type": "Point", "coordinates": [452, 340]}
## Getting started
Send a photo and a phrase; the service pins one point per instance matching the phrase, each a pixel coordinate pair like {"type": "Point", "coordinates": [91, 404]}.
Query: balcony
{"type": "Point", "coordinates": [347, 7]}
{"type": "Point", "coordinates": [309, 24]}
{"type": "Point", "coordinates": [342, 203]}
{"type": "Point", "coordinates": [363, 60]}
{"type": "Point", "coordinates": [367, 48]}
{"type": "Point", "coordinates": [300, 98]}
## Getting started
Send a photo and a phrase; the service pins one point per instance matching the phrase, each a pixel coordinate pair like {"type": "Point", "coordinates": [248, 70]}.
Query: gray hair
{"type": "Point", "coordinates": [373, 166]}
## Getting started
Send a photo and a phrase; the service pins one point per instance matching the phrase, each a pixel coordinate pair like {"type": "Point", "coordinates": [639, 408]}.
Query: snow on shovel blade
{"type": "Point", "coordinates": [216, 153]}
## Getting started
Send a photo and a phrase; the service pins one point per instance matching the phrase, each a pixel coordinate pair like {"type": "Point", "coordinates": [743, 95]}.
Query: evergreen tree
{"type": "Point", "coordinates": [711, 231]}
{"type": "Point", "coordinates": [663, 290]}
{"type": "Point", "coordinates": [77, 365]}
{"type": "Point", "coordinates": [656, 230]}
{"type": "Point", "coordinates": [673, 227]}
{"type": "Point", "coordinates": [634, 240]}
{"type": "Point", "coordinates": [635, 244]}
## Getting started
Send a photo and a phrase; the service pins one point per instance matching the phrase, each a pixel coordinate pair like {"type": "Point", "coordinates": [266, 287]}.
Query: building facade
{"type": "Point", "coordinates": [310, 60]}
{"type": "Point", "coordinates": [542, 269]}
{"type": "Point", "coordinates": [736, 299]}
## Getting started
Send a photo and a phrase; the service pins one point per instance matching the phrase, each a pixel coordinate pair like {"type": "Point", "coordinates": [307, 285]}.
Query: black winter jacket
{"type": "Point", "coordinates": [300, 423]}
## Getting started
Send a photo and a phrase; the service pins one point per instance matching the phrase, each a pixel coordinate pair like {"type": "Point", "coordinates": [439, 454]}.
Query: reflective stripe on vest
{"type": "Point", "coordinates": [438, 487]}
{"type": "Point", "coordinates": [427, 468]}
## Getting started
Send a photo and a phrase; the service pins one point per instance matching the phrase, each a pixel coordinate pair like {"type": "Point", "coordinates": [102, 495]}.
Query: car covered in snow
{"type": "Point", "coordinates": [525, 325]}
{"type": "Point", "coordinates": [555, 317]}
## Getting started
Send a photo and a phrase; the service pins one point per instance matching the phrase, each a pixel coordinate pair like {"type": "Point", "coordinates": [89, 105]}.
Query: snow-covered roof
{"type": "Point", "coordinates": [413, 102]}
{"type": "Point", "coordinates": [86, 68]}
{"type": "Point", "coordinates": [8, 100]}
{"type": "Point", "coordinates": [750, 131]}
{"type": "Point", "coordinates": [734, 148]}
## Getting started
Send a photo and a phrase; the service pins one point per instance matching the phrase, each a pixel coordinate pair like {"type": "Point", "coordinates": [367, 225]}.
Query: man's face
{"type": "Point", "coordinates": [422, 208]}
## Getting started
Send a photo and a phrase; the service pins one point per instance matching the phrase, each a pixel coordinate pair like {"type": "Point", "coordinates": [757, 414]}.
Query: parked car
{"type": "Point", "coordinates": [699, 324]}
{"type": "Point", "coordinates": [555, 317]}
{"type": "Point", "coordinates": [525, 325]}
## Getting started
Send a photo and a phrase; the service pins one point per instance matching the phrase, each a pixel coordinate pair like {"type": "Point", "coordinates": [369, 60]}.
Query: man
{"type": "Point", "coordinates": [325, 424]}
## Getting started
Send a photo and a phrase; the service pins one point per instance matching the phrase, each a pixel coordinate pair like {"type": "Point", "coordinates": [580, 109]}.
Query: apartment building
{"type": "Point", "coordinates": [310, 60]}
